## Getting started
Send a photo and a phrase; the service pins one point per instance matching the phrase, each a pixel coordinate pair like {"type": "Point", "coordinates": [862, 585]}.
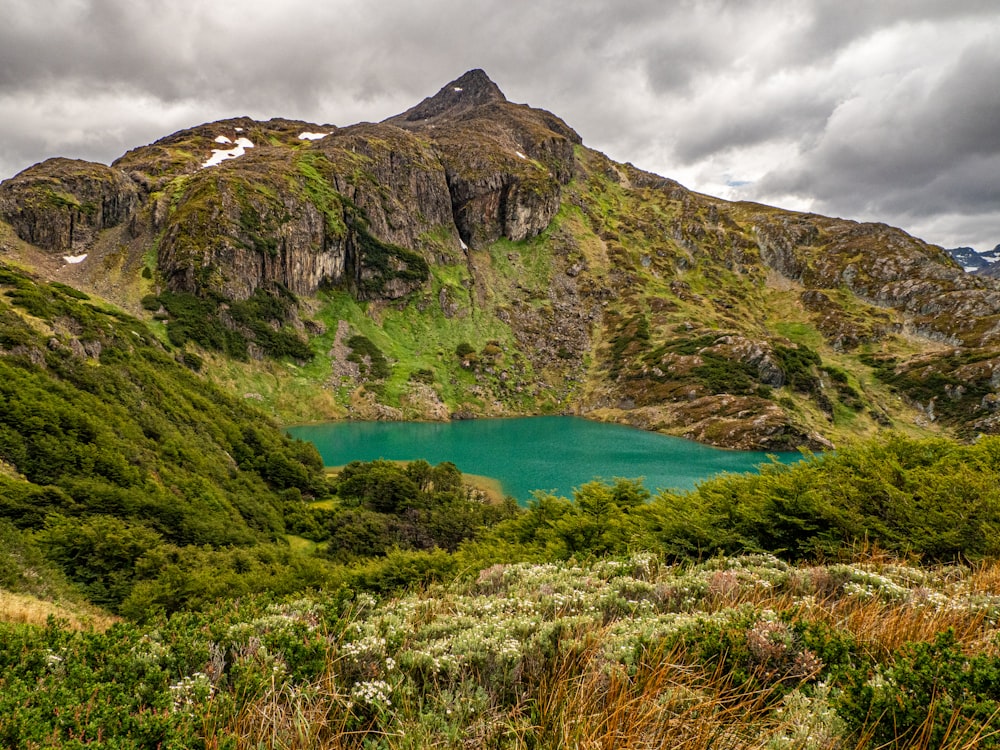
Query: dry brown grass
{"type": "Point", "coordinates": [665, 704]}
{"type": "Point", "coordinates": [30, 610]}
{"type": "Point", "coordinates": [985, 578]}
{"type": "Point", "coordinates": [297, 720]}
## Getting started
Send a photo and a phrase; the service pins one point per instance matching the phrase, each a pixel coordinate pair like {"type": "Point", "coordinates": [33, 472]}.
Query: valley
{"type": "Point", "coordinates": [484, 262]}
{"type": "Point", "coordinates": [176, 570]}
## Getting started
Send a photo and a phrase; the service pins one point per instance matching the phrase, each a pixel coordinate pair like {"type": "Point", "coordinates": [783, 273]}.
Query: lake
{"type": "Point", "coordinates": [525, 454]}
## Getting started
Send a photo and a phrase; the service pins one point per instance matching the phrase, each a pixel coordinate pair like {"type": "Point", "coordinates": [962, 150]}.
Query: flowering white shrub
{"type": "Point", "coordinates": [373, 693]}
{"type": "Point", "coordinates": [470, 652]}
{"type": "Point", "coordinates": [191, 691]}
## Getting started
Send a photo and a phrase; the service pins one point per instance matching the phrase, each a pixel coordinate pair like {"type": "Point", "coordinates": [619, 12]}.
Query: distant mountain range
{"type": "Point", "coordinates": [976, 262]}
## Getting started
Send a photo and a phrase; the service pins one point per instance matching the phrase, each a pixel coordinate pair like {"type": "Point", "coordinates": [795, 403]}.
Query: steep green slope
{"type": "Point", "coordinates": [109, 446]}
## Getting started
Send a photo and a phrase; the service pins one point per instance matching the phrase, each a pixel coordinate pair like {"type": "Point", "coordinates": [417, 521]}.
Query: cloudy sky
{"type": "Point", "coordinates": [884, 110]}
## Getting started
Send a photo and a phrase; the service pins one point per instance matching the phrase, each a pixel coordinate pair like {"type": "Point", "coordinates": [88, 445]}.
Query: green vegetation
{"type": "Point", "coordinates": [798, 365]}
{"type": "Point", "coordinates": [629, 653]}
{"type": "Point", "coordinates": [261, 213]}
{"type": "Point", "coordinates": [113, 450]}
{"type": "Point", "coordinates": [380, 263]}
{"type": "Point", "coordinates": [315, 169]}
{"type": "Point", "coordinates": [766, 610]}
{"type": "Point", "coordinates": [368, 357]}
{"type": "Point", "coordinates": [419, 344]}
{"type": "Point", "coordinates": [229, 326]}
{"type": "Point", "coordinates": [220, 590]}
{"type": "Point", "coordinates": [385, 507]}
{"type": "Point", "coordinates": [932, 381]}
{"type": "Point", "coordinates": [630, 338]}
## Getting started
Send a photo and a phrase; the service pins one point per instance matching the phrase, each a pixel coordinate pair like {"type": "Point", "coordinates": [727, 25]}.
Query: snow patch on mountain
{"type": "Point", "coordinates": [220, 155]}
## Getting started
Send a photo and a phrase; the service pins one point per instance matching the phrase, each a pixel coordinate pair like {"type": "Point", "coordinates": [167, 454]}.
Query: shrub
{"type": "Point", "coordinates": [930, 693]}
{"type": "Point", "coordinates": [422, 375]}
{"type": "Point", "coordinates": [369, 358]}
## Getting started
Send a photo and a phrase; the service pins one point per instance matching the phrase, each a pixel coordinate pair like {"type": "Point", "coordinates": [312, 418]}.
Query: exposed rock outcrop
{"type": "Point", "coordinates": [60, 205]}
{"type": "Point", "coordinates": [531, 274]}
{"type": "Point", "coordinates": [505, 163]}
{"type": "Point", "coordinates": [366, 207]}
{"type": "Point", "coordinates": [886, 267]}
{"type": "Point", "coordinates": [360, 207]}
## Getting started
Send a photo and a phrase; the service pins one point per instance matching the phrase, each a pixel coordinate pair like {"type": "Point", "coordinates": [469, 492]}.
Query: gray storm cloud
{"type": "Point", "coordinates": [878, 111]}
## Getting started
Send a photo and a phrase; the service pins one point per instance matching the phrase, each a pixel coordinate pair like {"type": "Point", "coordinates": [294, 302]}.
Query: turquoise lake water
{"type": "Point", "coordinates": [553, 454]}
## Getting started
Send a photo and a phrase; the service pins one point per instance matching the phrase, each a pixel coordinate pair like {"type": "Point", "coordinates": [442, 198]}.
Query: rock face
{"type": "Point", "coordinates": [61, 205]}
{"type": "Point", "coordinates": [354, 208]}
{"type": "Point", "coordinates": [516, 271]}
{"type": "Point", "coordinates": [367, 207]}
{"type": "Point", "coordinates": [909, 275]}
{"type": "Point", "coordinates": [505, 163]}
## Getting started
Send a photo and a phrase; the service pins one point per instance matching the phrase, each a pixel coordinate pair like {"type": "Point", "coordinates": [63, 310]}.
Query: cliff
{"type": "Point", "coordinates": [483, 261]}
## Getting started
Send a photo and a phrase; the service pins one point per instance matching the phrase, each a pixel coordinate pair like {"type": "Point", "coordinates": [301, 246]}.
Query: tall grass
{"type": "Point", "coordinates": [703, 656]}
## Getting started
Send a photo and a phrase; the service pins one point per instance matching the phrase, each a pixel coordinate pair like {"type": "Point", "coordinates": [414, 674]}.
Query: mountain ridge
{"type": "Point", "coordinates": [972, 261]}
{"type": "Point", "coordinates": [496, 265]}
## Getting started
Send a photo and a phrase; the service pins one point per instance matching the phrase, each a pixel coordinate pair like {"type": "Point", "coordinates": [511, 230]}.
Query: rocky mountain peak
{"type": "Point", "coordinates": [472, 89]}
{"type": "Point", "coordinates": [61, 205]}
{"type": "Point", "coordinates": [736, 324]}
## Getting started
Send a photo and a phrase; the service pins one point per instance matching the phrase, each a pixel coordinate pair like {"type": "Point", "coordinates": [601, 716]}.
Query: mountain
{"type": "Point", "coordinates": [992, 258]}
{"type": "Point", "coordinates": [992, 271]}
{"type": "Point", "coordinates": [472, 257]}
{"type": "Point", "coordinates": [976, 262]}
{"type": "Point", "coordinates": [968, 258]}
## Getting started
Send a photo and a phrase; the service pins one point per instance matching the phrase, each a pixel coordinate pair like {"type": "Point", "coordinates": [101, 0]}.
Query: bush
{"type": "Point", "coordinates": [935, 498]}
{"type": "Point", "coordinates": [412, 507]}
{"type": "Point", "coordinates": [929, 693]}
{"type": "Point", "coordinates": [192, 361]}
{"type": "Point", "coordinates": [229, 326]}
{"type": "Point", "coordinates": [369, 358]}
{"type": "Point", "coordinates": [422, 375]}
{"type": "Point", "coordinates": [383, 262]}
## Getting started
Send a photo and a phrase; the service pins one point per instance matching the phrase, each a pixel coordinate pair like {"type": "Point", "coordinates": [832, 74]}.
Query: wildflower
{"type": "Point", "coordinates": [373, 693]}
{"type": "Point", "coordinates": [190, 691]}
